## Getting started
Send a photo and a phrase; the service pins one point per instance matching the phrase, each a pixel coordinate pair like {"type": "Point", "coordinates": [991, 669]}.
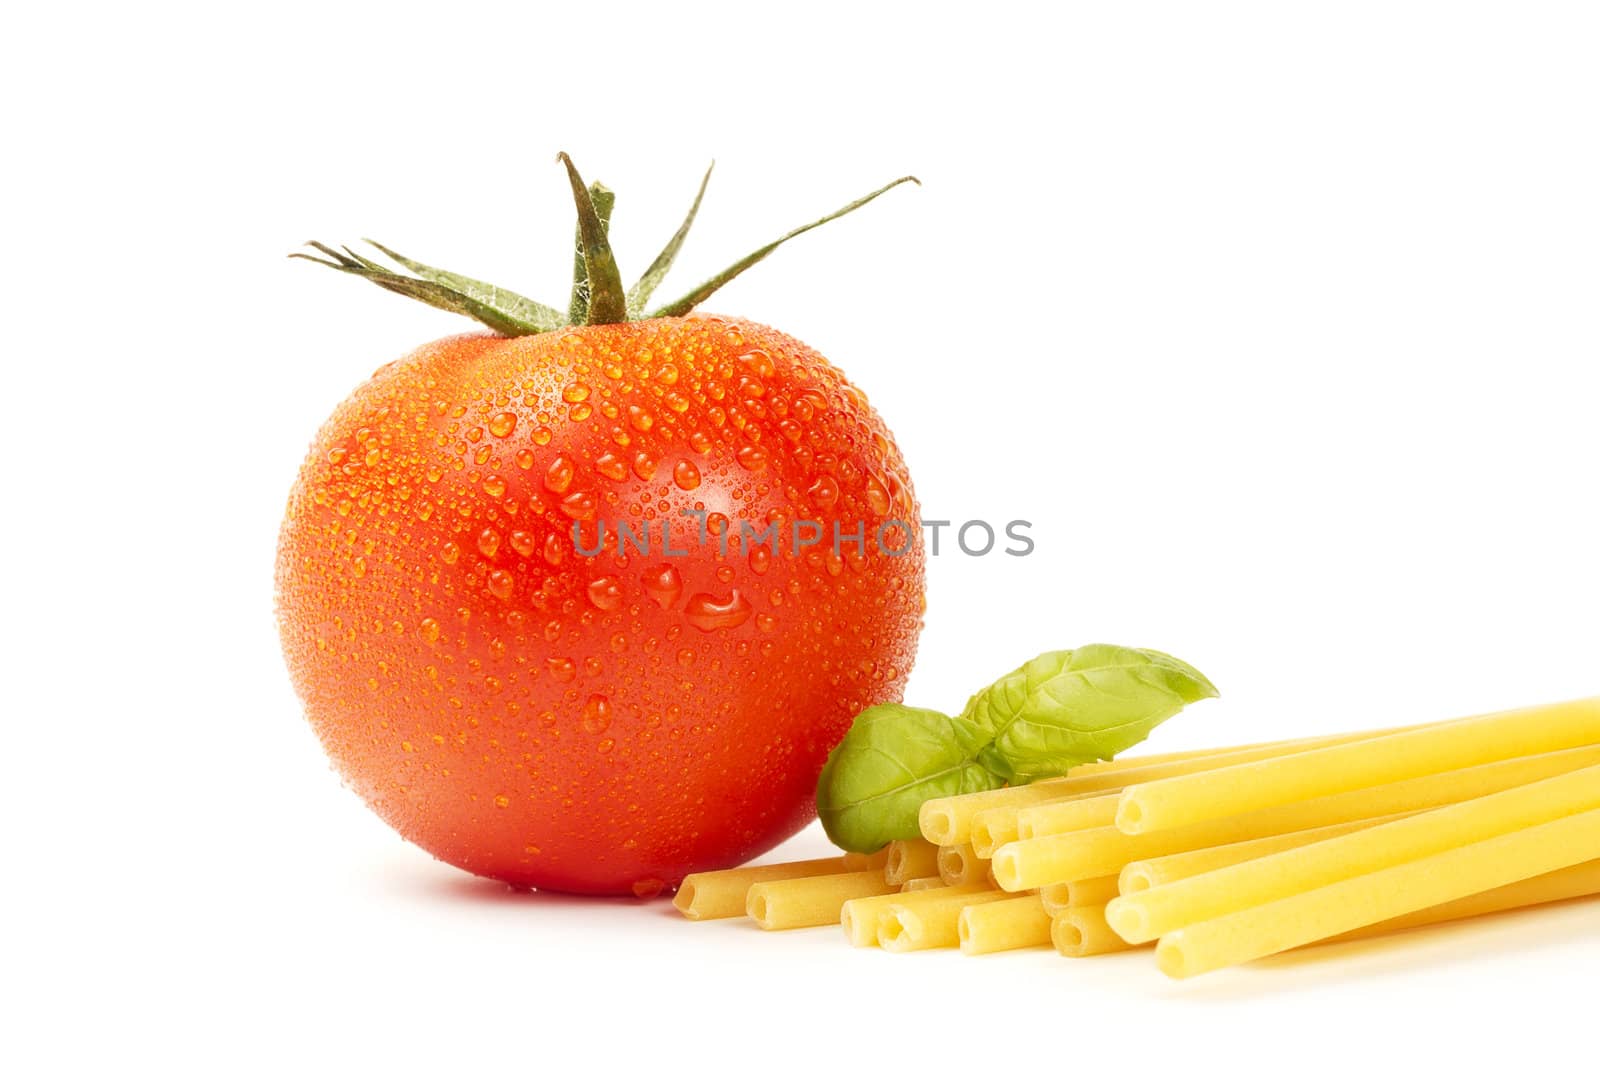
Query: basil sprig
{"type": "Point", "coordinates": [1056, 711]}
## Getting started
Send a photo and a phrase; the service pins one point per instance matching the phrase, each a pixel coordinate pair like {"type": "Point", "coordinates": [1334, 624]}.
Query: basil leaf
{"type": "Point", "coordinates": [894, 758]}
{"type": "Point", "coordinates": [1066, 708]}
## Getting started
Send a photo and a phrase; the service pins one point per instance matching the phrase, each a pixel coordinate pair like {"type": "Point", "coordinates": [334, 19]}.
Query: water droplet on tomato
{"type": "Point", "coordinates": [751, 458]}
{"type": "Point", "coordinates": [700, 442]}
{"type": "Point", "coordinates": [575, 392]}
{"type": "Point", "coordinates": [555, 548]}
{"type": "Point", "coordinates": [579, 505]}
{"type": "Point", "coordinates": [605, 594]}
{"type": "Point", "coordinates": [522, 542]}
{"type": "Point", "coordinates": [525, 459]}
{"type": "Point", "coordinates": [707, 612]}
{"type": "Point", "coordinates": [489, 541]}
{"type": "Point", "coordinates": [561, 668]}
{"type": "Point", "coordinates": [686, 475]}
{"type": "Point", "coordinates": [611, 466]}
{"type": "Point", "coordinates": [502, 424]}
{"type": "Point", "coordinates": [579, 412]}
{"type": "Point", "coordinates": [877, 496]}
{"type": "Point", "coordinates": [501, 583]}
{"type": "Point", "coordinates": [502, 801]}
{"type": "Point", "coordinates": [559, 476]}
{"type": "Point", "coordinates": [648, 888]}
{"type": "Point", "coordinates": [639, 418]}
{"type": "Point", "coordinates": [359, 567]}
{"type": "Point", "coordinates": [644, 467]}
{"type": "Point", "coordinates": [596, 715]}
{"type": "Point", "coordinates": [450, 552]}
{"type": "Point", "coordinates": [667, 375]}
{"type": "Point", "coordinates": [759, 363]}
{"type": "Point", "coordinates": [662, 583]}
{"type": "Point", "coordinates": [824, 492]}
{"type": "Point", "coordinates": [494, 485]}
{"type": "Point", "coordinates": [429, 629]}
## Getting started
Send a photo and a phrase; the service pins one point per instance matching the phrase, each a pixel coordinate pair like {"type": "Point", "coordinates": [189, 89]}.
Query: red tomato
{"type": "Point", "coordinates": [602, 723]}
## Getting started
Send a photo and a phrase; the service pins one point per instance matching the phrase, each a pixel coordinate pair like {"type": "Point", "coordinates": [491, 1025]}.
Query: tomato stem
{"type": "Point", "coordinates": [687, 303]}
{"type": "Point", "coordinates": [597, 295]}
{"type": "Point", "coordinates": [645, 287]}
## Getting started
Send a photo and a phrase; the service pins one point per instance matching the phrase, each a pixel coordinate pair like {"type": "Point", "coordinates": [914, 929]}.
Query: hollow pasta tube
{"type": "Point", "coordinates": [1229, 791]}
{"type": "Point", "coordinates": [1003, 925]}
{"type": "Point", "coordinates": [1064, 816]}
{"type": "Point", "coordinates": [908, 925]}
{"type": "Point", "coordinates": [721, 894]}
{"type": "Point", "coordinates": [1569, 883]}
{"type": "Point", "coordinates": [1090, 892]}
{"type": "Point", "coordinates": [917, 885]}
{"type": "Point", "coordinates": [860, 917]}
{"type": "Point", "coordinates": [953, 820]}
{"type": "Point", "coordinates": [816, 901]}
{"type": "Point", "coordinates": [906, 860]}
{"type": "Point", "coordinates": [1106, 849]}
{"type": "Point", "coordinates": [1330, 910]}
{"type": "Point", "coordinates": [1140, 875]}
{"type": "Point", "coordinates": [959, 865]}
{"type": "Point", "coordinates": [1083, 932]}
{"type": "Point", "coordinates": [1146, 916]}
{"type": "Point", "coordinates": [867, 861]}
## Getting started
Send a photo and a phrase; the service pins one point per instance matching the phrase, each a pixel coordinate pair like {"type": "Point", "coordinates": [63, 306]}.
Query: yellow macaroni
{"type": "Point", "coordinates": [1002, 925]}
{"type": "Point", "coordinates": [959, 866]}
{"type": "Point", "coordinates": [1379, 896]}
{"type": "Point", "coordinates": [1131, 762]}
{"type": "Point", "coordinates": [1001, 826]}
{"type": "Point", "coordinates": [917, 885]}
{"type": "Point", "coordinates": [867, 861]}
{"type": "Point", "coordinates": [1569, 883]}
{"type": "Point", "coordinates": [910, 859]}
{"type": "Point", "coordinates": [1147, 874]}
{"type": "Point", "coordinates": [1083, 932]}
{"type": "Point", "coordinates": [927, 921]}
{"type": "Point", "coordinates": [860, 917]}
{"type": "Point", "coordinates": [816, 901]}
{"type": "Point", "coordinates": [1226, 791]}
{"type": "Point", "coordinates": [721, 894]}
{"type": "Point", "coordinates": [1090, 892]}
{"type": "Point", "coordinates": [1146, 916]}
{"type": "Point", "coordinates": [1106, 850]}
{"type": "Point", "coordinates": [948, 820]}
{"type": "Point", "coordinates": [1064, 816]}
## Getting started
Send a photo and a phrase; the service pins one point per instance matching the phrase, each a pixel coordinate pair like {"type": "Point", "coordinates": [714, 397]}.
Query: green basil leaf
{"type": "Point", "coordinates": [894, 758]}
{"type": "Point", "coordinates": [1067, 708]}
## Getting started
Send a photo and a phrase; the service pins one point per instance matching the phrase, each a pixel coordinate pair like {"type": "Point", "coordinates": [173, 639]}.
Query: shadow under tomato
{"type": "Point", "coordinates": [457, 888]}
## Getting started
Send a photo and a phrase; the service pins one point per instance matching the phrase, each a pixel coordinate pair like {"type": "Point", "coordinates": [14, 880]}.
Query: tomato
{"type": "Point", "coordinates": [598, 723]}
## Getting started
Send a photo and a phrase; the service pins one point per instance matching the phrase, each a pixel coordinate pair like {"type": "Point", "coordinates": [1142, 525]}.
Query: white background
{"type": "Point", "coordinates": [1277, 320]}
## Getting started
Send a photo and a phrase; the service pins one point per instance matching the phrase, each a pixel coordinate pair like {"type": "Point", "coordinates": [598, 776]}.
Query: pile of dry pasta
{"type": "Point", "coordinates": [1221, 856]}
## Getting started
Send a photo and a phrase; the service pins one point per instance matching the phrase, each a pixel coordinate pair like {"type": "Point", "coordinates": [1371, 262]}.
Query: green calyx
{"type": "Point", "coordinates": [598, 297]}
